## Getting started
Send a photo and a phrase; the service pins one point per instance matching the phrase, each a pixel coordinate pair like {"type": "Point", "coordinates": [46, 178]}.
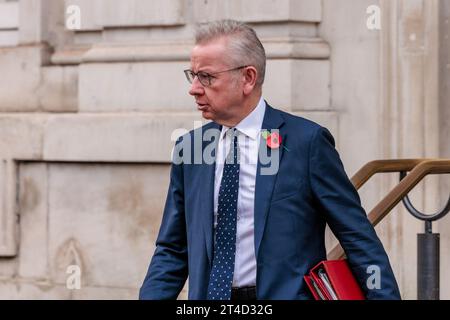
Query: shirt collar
{"type": "Point", "coordinates": [251, 124]}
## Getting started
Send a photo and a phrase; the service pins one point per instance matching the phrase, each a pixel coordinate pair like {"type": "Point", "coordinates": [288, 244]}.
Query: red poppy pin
{"type": "Point", "coordinates": [273, 139]}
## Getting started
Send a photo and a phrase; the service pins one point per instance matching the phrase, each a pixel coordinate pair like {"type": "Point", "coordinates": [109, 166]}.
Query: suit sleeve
{"type": "Point", "coordinates": [168, 268]}
{"type": "Point", "coordinates": [339, 201]}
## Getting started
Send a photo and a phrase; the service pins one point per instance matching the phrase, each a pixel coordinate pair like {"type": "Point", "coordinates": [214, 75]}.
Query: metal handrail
{"type": "Point", "coordinates": [419, 169]}
{"type": "Point", "coordinates": [382, 166]}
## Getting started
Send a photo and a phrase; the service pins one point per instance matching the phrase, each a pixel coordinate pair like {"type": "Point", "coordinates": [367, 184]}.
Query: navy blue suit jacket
{"type": "Point", "coordinates": [292, 208]}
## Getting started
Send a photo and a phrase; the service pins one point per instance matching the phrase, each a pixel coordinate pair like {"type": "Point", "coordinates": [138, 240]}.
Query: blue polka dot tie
{"type": "Point", "coordinates": [221, 277]}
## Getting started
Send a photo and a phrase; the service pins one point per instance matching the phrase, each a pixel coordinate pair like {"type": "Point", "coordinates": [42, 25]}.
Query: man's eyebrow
{"type": "Point", "coordinates": [205, 71]}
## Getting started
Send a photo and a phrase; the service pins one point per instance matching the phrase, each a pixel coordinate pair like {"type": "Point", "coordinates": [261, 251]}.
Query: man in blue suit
{"type": "Point", "coordinates": [251, 192]}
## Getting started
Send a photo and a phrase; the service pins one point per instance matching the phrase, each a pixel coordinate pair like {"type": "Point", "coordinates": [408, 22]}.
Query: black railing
{"type": "Point", "coordinates": [428, 250]}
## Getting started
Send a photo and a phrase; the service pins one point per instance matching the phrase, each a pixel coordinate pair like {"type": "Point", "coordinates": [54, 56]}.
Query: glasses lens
{"type": "Point", "coordinates": [204, 78]}
{"type": "Point", "coordinates": [189, 75]}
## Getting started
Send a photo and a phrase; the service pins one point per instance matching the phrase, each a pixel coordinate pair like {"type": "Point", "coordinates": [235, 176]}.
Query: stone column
{"type": "Point", "coordinates": [409, 118]}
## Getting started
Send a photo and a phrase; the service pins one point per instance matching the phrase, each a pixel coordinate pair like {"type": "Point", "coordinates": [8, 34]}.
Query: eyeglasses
{"type": "Point", "coordinates": [204, 77]}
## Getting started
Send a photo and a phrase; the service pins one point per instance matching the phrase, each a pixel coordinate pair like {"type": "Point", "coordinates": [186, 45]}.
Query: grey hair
{"type": "Point", "coordinates": [244, 46]}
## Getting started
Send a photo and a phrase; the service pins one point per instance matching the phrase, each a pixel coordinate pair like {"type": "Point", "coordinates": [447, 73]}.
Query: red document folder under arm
{"type": "Point", "coordinates": [333, 280]}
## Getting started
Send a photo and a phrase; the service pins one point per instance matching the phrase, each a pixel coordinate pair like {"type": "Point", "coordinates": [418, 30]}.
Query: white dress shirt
{"type": "Point", "coordinates": [249, 130]}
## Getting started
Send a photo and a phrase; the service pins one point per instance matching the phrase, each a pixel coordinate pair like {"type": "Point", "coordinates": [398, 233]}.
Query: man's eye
{"type": "Point", "coordinates": [203, 75]}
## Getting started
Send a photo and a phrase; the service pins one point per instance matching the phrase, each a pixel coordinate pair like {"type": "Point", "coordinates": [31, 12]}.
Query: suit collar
{"type": "Point", "coordinates": [272, 118]}
{"type": "Point", "coordinates": [251, 124]}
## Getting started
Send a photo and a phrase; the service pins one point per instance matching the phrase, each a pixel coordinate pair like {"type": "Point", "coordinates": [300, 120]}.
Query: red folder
{"type": "Point", "coordinates": [333, 280]}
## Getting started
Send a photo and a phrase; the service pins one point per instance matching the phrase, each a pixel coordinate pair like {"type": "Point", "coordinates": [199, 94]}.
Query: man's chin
{"type": "Point", "coordinates": [207, 115]}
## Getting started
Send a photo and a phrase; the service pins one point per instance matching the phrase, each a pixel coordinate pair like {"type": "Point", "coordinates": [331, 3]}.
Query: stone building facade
{"type": "Point", "coordinates": [89, 109]}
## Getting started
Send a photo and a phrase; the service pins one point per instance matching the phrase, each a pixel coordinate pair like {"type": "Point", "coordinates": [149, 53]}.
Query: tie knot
{"type": "Point", "coordinates": [232, 132]}
{"type": "Point", "coordinates": [233, 153]}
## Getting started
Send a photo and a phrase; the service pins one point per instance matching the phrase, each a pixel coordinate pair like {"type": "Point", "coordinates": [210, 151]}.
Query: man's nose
{"type": "Point", "coordinates": [196, 88]}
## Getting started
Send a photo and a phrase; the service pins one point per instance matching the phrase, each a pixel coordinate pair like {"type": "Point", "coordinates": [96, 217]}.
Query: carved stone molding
{"type": "Point", "coordinates": [306, 48]}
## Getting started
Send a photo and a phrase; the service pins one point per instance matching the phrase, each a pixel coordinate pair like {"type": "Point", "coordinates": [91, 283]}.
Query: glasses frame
{"type": "Point", "coordinates": [207, 75]}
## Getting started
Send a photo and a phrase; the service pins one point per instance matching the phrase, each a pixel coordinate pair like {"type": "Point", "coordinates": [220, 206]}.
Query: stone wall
{"type": "Point", "coordinates": [87, 118]}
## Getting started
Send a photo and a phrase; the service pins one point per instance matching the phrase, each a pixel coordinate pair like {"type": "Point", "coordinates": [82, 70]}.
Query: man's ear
{"type": "Point", "coordinates": [250, 75]}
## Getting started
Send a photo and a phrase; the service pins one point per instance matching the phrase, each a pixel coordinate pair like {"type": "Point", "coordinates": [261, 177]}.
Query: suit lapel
{"type": "Point", "coordinates": [265, 182]}
{"type": "Point", "coordinates": [207, 174]}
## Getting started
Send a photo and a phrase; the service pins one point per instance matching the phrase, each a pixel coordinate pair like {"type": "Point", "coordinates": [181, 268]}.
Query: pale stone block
{"type": "Point", "coordinates": [327, 119]}
{"type": "Point", "coordinates": [298, 84]}
{"type": "Point", "coordinates": [150, 35]}
{"type": "Point", "coordinates": [117, 13]}
{"type": "Point", "coordinates": [105, 219]}
{"type": "Point", "coordinates": [134, 87]}
{"type": "Point", "coordinates": [9, 15]}
{"type": "Point", "coordinates": [9, 38]}
{"type": "Point", "coordinates": [312, 48]}
{"type": "Point", "coordinates": [33, 210]}
{"type": "Point", "coordinates": [277, 88]}
{"type": "Point", "coordinates": [44, 21]}
{"type": "Point", "coordinates": [87, 38]}
{"type": "Point", "coordinates": [20, 68]}
{"type": "Point", "coordinates": [134, 138]}
{"type": "Point", "coordinates": [162, 53]}
{"type": "Point", "coordinates": [311, 84]}
{"type": "Point", "coordinates": [258, 10]}
{"type": "Point", "coordinates": [19, 289]}
{"type": "Point", "coordinates": [285, 32]}
{"type": "Point", "coordinates": [306, 10]}
{"type": "Point", "coordinates": [21, 136]}
{"type": "Point", "coordinates": [31, 26]}
{"type": "Point", "coordinates": [59, 89]}
{"type": "Point", "coordinates": [8, 268]}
